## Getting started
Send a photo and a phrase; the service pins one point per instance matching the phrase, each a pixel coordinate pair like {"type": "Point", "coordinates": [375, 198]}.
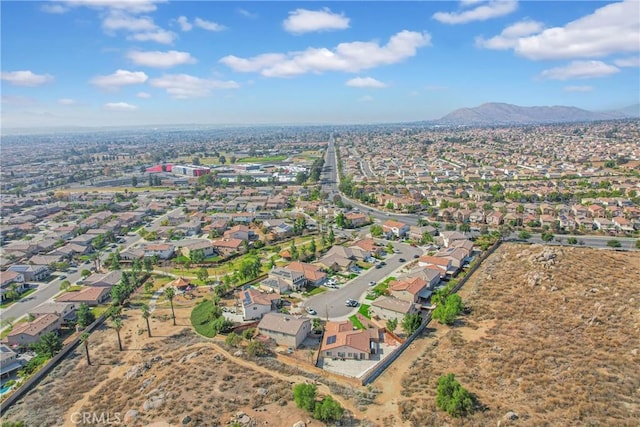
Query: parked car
{"type": "Point", "coordinates": [372, 283]}
{"type": "Point", "coordinates": [311, 310]}
{"type": "Point", "coordinates": [402, 260]}
{"type": "Point", "coordinates": [416, 256]}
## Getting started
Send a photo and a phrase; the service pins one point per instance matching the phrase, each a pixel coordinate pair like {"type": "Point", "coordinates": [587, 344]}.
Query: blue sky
{"type": "Point", "coordinates": [139, 62]}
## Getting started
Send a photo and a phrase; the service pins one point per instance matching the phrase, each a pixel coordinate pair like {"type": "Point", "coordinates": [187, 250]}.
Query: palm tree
{"type": "Point", "coordinates": [145, 314]}
{"type": "Point", "coordinates": [117, 325]}
{"type": "Point", "coordinates": [170, 293]}
{"type": "Point", "coordinates": [84, 339]}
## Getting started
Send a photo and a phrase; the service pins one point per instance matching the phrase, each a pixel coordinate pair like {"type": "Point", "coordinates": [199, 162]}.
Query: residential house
{"type": "Point", "coordinates": [25, 334]}
{"type": "Point", "coordinates": [132, 254]}
{"type": "Point", "coordinates": [495, 218]}
{"type": "Point", "coordinates": [106, 280]}
{"type": "Point", "coordinates": [340, 340]}
{"type": "Point", "coordinates": [282, 280]}
{"type": "Point", "coordinates": [161, 250]}
{"type": "Point", "coordinates": [197, 245]}
{"type": "Point", "coordinates": [604, 224]}
{"type": "Point", "coordinates": [395, 228]}
{"type": "Point", "coordinates": [622, 224]}
{"type": "Point", "coordinates": [31, 272]}
{"type": "Point", "coordinates": [64, 310]}
{"type": "Point", "coordinates": [430, 276]}
{"type": "Point", "coordinates": [370, 246]}
{"type": "Point", "coordinates": [458, 257]}
{"type": "Point", "coordinates": [335, 262]}
{"type": "Point", "coordinates": [92, 296]}
{"type": "Point", "coordinates": [314, 275]}
{"type": "Point", "coordinates": [241, 232]}
{"type": "Point", "coordinates": [385, 308]}
{"type": "Point", "coordinates": [410, 289]}
{"type": "Point", "coordinates": [9, 278]}
{"type": "Point", "coordinates": [255, 304]}
{"type": "Point", "coordinates": [416, 232]}
{"type": "Point", "coordinates": [356, 219]}
{"type": "Point", "coordinates": [448, 237]}
{"type": "Point", "coordinates": [442, 265]}
{"type": "Point", "coordinates": [10, 363]}
{"type": "Point", "coordinates": [284, 329]}
{"type": "Point", "coordinates": [226, 247]}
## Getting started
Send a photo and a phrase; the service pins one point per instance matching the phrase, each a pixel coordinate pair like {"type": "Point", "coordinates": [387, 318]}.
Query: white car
{"type": "Point", "coordinates": [311, 310]}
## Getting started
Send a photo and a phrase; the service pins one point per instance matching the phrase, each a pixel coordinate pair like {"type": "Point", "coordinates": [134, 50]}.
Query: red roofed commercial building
{"type": "Point", "coordinates": [159, 168]}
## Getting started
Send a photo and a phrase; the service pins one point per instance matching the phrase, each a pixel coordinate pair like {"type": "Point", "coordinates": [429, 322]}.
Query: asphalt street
{"type": "Point", "coordinates": [331, 304]}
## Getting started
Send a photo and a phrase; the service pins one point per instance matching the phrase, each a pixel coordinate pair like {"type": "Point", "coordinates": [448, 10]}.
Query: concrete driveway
{"type": "Point", "coordinates": [331, 304]}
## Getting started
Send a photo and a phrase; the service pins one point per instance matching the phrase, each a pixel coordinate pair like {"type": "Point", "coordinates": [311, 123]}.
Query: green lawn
{"type": "Point", "coordinates": [364, 310]}
{"type": "Point", "coordinates": [363, 265]}
{"type": "Point", "coordinates": [315, 291]}
{"type": "Point", "coordinates": [23, 295]}
{"type": "Point", "coordinates": [74, 288]}
{"type": "Point", "coordinates": [201, 318]}
{"type": "Point", "coordinates": [265, 159]}
{"type": "Point", "coordinates": [356, 322]}
{"type": "Point", "coordinates": [381, 288]}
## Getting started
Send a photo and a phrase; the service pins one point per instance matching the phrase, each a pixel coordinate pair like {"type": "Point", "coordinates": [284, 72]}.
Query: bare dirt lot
{"type": "Point", "coordinates": [553, 337]}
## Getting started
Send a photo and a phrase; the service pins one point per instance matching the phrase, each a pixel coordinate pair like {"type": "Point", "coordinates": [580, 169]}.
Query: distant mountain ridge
{"type": "Point", "coordinates": [495, 113]}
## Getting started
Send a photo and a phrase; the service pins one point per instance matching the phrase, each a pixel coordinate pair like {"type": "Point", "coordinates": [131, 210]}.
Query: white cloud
{"type": "Point", "coordinates": [184, 86]}
{"type": "Point", "coordinates": [160, 59]}
{"type": "Point", "coordinates": [158, 36]}
{"type": "Point", "coordinates": [365, 82]}
{"type": "Point", "coordinates": [578, 88]}
{"type": "Point", "coordinates": [25, 78]}
{"type": "Point", "coordinates": [366, 98]}
{"type": "Point", "coordinates": [492, 9]}
{"type": "Point", "coordinates": [67, 101]}
{"type": "Point", "coordinates": [610, 29]}
{"type": "Point", "coordinates": [120, 106]}
{"type": "Point", "coordinates": [208, 25]}
{"type": "Point", "coordinates": [184, 23]}
{"type": "Point", "coordinates": [247, 14]}
{"type": "Point", "coordinates": [579, 70]}
{"type": "Point", "coordinates": [54, 8]}
{"type": "Point", "coordinates": [633, 61]}
{"type": "Point", "coordinates": [143, 95]}
{"type": "Point", "coordinates": [118, 20]}
{"type": "Point", "coordinates": [119, 78]}
{"type": "Point", "coordinates": [131, 6]}
{"type": "Point", "coordinates": [349, 57]}
{"type": "Point", "coordinates": [509, 37]}
{"type": "Point", "coordinates": [304, 21]}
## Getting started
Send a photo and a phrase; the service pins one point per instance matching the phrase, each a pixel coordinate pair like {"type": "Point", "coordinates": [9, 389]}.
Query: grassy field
{"type": "Point", "coordinates": [265, 159]}
{"type": "Point", "coordinates": [364, 310]}
{"type": "Point", "coordinates": [556, 331]}
{"type": "Point", "coordinates": [356, 323]}
{"type": "Point", "coordinates": [200, 318]}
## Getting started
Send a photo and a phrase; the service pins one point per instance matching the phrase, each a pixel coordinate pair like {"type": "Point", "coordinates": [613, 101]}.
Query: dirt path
{"type": "Point", "coordinates": [386, 410]}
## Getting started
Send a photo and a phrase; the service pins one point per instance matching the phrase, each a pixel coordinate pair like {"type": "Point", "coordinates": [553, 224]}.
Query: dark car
{"type": "Point", "coordinates": [378, 265]}
{"type": "Point", "coordinates": [416, 256]}
{"type": "Point", "coordinates": [382, 263]}
{"type": "Point", "coordinates": [402, 260]}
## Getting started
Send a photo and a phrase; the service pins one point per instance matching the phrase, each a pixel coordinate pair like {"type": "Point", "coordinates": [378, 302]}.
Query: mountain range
{"type": "Point", "coordinates": [495, 113]}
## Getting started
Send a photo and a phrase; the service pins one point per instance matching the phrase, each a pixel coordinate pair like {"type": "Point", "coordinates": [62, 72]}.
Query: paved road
{"type": "Point", "coordinates": [331, 304]}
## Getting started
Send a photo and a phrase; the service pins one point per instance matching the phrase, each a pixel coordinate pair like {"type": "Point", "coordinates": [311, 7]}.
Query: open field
{"type": "Point", "coordinates": [553, 335]}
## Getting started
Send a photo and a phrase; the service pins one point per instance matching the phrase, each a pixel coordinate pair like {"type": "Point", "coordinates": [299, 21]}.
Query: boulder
{"type": "Point", "coordinates": [510, 416]}
{"type": "Point", "coordinates": [186, 420]}
{"type": "Point", "coordinates": [130, 416]}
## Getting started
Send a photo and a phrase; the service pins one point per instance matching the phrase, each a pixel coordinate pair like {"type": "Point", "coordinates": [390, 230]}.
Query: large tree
{"type": "Point", "coordinates": [452, 397]}
{"type": "Point", "coordinates": [48, 345]}
{"type": "Point", "coordinates": [85, 315]}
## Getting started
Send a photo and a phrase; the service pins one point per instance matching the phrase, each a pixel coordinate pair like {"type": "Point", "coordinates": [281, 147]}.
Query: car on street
{"type": "Point", "coordinates": [416, 256]}
{"type": "Point", "coordinates": [372, 283]}
{"type": "Point", "coordinates": [402, 260]}
{"type": "Point", "coordinates": [61, 277]}
{"type": "Point", "coordinates": [378, 266]}
{"type": "Point", "coordinates": [382, 263]}
{"type": "Point", "coordinates": [311, 311]}
{"type": "Point", "coordinates": [351, 303]}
